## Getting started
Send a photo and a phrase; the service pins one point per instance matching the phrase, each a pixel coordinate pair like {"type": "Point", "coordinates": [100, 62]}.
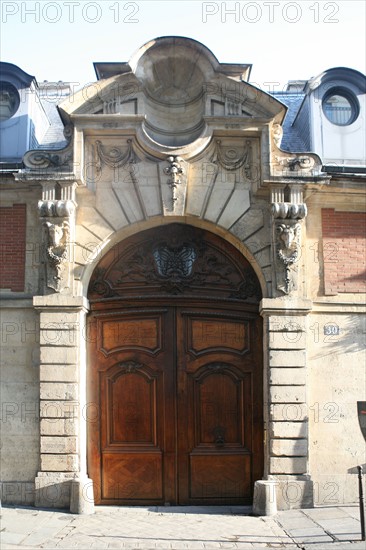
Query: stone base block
{"type": "Point", "coordinates": [265, 500]}
{"type": "Point", "coordinates": [294, 492]}
{"type": "Point", "coordinates": [53, 489]}
{"type": "Point", "coordinates": [82, 496]}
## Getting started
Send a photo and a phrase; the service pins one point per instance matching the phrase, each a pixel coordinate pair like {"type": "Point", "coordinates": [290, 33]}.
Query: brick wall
{"type": "Point", "coordinates": [344, 251]}
{"type": "Point", "coordinates": [12, 247]}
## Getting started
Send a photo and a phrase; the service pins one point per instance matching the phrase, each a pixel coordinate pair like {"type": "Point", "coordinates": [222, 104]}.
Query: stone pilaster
{"type": "Point", "coordinates": [62, 402]}
{"type": "Point", "coordinates": [287, 459]}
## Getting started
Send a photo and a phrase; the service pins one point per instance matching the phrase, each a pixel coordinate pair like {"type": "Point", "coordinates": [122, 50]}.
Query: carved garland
{"type": "Point", "coordinates": [231, 161]}
{"type": "Point", "coordinates": [115, 157]}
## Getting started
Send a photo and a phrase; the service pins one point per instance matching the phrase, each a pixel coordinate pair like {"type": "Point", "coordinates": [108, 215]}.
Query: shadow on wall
{"type": "Point", "coordinates": [49, 494]}
{"type": "Point", "coordinates": [354, 469]}
{"type": "Point", "coordinates": [346, 334]}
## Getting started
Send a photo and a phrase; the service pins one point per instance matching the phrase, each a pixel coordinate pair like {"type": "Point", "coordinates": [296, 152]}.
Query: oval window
{"type": "Point", "coordinates": [340, 107]}
{"type": "Point", "coordinates": [9, 100]}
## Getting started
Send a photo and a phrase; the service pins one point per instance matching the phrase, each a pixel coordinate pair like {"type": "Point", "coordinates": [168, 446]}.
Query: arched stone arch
{"type": "Point", "coordinates": [103, 247]}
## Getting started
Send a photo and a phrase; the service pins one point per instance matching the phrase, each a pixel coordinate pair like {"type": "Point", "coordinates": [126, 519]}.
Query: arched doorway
{"type": "Point", "coordinates": [175, 371]}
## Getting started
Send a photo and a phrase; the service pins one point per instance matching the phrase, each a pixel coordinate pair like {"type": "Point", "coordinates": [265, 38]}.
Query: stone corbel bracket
{"type": "Point", "coordinates": [287, 219]}
{"type": "Point", "coordinates": [57, 160]}
{"type": "Point", "coordinates": [57, 217]}
{"type": "Point", "coordinates": [285, 164]}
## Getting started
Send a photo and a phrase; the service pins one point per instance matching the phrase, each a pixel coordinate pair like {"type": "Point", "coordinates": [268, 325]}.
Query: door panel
{"type": "Point", "coordinates": [131, 446]}
{"type": "Point", "coordinates": [206, 335]}
{"type": "Point", "coordinates": [179, 394]}
{"type": "Point", "coordinates": [221, 478]}
{"type": "Point", "coordinates": [219, 413]}
{"type": "Point", "coordinates": [131, 477]}
{"type": "Point", "coordinates": [216, 367]}
{"type": "Point", "coordinates": [129, 405]}
{"type": "Point", "coordinates": [134, 333]}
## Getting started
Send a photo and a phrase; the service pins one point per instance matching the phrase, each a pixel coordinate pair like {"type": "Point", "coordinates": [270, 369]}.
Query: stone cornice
{"type": "Point", "coordinates": [285, 306]}
{"type": "Point", "coordinates": [45, 175]}
{"type": "Point", "coordinates": [60, 302]}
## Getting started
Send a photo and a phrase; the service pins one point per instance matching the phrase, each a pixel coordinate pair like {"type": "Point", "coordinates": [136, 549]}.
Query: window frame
{"type": "Point", "coordinates": [349, 96]}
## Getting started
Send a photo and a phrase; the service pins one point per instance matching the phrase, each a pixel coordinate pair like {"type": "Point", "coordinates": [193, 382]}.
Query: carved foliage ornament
{"type": "Point", "coordinates": [175, 170]}
{"type": "Point", "coordinates": [130, 366]}
{"type": "Point", "coordinates": [174, 260]}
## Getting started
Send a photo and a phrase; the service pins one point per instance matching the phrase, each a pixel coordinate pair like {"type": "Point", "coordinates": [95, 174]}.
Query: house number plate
{"type": "Point", "coordinates": [331, 330]}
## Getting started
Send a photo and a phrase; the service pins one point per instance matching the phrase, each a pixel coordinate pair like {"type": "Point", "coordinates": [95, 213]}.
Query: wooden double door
{"type": "Point", "coordinates": [175, 405]}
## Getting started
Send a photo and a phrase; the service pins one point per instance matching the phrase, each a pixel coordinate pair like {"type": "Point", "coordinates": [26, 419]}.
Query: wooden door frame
{"type": "Point", "coordinates": [114, 308]}
{"type": "Point", "coordinates": [111, 305]}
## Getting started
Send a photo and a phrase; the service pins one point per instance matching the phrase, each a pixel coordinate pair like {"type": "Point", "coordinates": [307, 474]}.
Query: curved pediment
{"type": "Point", "coordinates": [173, 70]}
{"type": "Point", "coordinates": [175, 87]}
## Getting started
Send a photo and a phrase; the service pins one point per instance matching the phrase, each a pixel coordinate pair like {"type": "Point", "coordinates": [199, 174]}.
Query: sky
{"type": "Point", "coordinates": [283, 40]}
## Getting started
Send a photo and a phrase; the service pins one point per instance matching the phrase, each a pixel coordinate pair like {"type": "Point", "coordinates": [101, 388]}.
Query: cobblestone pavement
{"type": "Point", "coordinates": [179, 528]}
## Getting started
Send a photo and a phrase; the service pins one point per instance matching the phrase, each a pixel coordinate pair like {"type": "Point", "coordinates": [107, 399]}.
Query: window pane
{"type": "Point", "coordinates": [338, 109]}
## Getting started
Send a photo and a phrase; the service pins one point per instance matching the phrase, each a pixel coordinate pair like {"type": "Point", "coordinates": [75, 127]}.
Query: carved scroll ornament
{"type": "Point", "coordinates": [56, 208]}
{"type": "Point", "coordinates": [304, 163]}
{"type": "Point", "coordinates": [52, 159]}
{"type": "Point", "coordinates": [286, 210]}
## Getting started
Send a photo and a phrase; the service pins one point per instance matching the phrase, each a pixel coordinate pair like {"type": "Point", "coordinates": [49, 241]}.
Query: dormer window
{"type": "Point", "coordinates": [340, 106]}
{"type": "Point", "coordinates": [9, 101]}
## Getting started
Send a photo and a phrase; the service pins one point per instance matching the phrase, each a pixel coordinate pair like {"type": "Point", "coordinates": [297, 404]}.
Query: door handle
{"type": "Point", "coordinates": [219, 438]}
{"type": "Point", "coordinates": [219, 441]}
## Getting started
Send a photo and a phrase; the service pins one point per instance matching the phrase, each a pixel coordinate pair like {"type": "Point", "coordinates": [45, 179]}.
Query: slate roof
{"type": "Point", "coordinates": [54, 137]}
{"type": "Point", "coordinates": [291, 140]}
